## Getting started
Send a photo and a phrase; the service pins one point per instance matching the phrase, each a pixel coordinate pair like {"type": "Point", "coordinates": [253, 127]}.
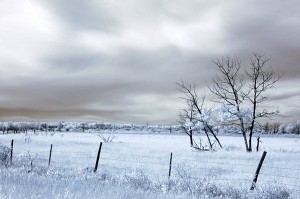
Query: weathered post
{"type": "Point", "coordinates": [258, 169]}
{"type": "Point", "coordinates": [257, 144]}
{"type": "Point", "coordinates": [170, 165]}
{"type": "Point", "coordinates": [11, 151]}
{"type": "Point", "coordinates": [50, 154]}
{"type": "Point", "coordinates": [98, 157]}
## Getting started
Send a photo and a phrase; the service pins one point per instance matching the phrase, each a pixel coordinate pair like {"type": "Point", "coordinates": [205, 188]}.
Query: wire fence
{"type": "Point", "coordinates": [158, 165]}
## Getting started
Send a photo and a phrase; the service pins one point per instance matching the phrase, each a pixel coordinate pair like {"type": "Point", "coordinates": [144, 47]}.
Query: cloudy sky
{"type": "Point", "coordinates": [118, 61]}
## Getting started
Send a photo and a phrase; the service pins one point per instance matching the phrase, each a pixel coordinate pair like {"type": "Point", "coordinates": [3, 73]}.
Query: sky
{"type": "Point", "coordinates": [118, 61]}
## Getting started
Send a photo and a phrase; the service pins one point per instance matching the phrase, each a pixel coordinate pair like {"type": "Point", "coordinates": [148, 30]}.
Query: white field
{"type": "Point", "coordinates": [137, 166]}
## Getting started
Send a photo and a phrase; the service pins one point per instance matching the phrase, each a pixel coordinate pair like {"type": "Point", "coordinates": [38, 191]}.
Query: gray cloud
{"type": "Point", "coordinates": [145, 70]}
{"type": "Point", "coordinates": [271, 27]}
{"type": "Point", "coordinates": [119, 61]}
{"type": "Point", "coordinates": [285, 95]}
{"type": "Point", "coordinates": [70, 60]}
{"type": "Point", "coordinates": [29, 114]}
{"type": "Point", "coordinates": [82, 15]}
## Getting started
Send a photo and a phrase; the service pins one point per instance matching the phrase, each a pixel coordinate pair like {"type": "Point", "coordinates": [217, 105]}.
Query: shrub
{"type": "Point", "coordinates": [138, 180]}
{"type": "Point", "coordinates": [4, 155]}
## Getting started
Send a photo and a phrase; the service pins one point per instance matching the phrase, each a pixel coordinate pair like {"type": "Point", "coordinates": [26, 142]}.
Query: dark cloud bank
{"type": "Point", "coordinates": [128, 82]}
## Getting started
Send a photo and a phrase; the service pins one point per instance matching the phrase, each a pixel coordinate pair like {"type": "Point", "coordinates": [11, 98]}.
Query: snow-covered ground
{"type": "Point", "coordinates": [137, 166]}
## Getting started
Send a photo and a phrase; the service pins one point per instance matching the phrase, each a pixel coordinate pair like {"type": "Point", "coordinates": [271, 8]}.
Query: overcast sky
{"type": "Point", "coordinates": [118, 61]}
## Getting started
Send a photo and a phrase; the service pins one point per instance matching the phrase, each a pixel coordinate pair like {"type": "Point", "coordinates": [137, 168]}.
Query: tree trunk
{"type": "Point", "coordinates": [213, 133]}
{"type": "Point", "coordinates": [250, 143]}
{"type": "Point", "coordinates": [208, 138]}
{"type": "Point", "coordinates": [191, 139]}
{"type": "Point", "coordinates": [244, 133]}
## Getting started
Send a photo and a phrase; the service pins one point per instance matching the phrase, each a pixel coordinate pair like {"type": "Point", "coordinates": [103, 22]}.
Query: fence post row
{"type": "Point", "coordinates": [170, 166]}
{"type": "Point", "coordinates": [50, 154]}
{"type": "Point", "coordinates": [258, 169]}
{"type": "Point", "coordinates": [98, 157]}
{"type": "Point", "coordinates": [11, 151]}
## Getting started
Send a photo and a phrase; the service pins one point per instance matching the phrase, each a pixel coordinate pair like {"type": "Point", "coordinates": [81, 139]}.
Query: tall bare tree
{"type": "Point", "coordinates": [261, 80]}
{"type": "Point", "coordinates": [227, 86]}
{"type": "Point", "coordinates": [230, 87]}
{"type": "Point", "coordinates": [194, 103]}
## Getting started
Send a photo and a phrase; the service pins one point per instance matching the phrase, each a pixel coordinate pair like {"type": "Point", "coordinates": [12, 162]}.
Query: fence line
{"type": "Point", "coordinates": [200, 161]}
{"type": "Point", "coordinates": [135, 155]}
{"type": "Point", "coordinates": [121, 157]}
{"type": "Point", "coordinates": [158, 163]}
{"type": "Point", "coordinates": [138, 162]}
{"type": "Point", "coordinates": [222, 170]}
{"type": "Point", "coordinates": [89, 156]}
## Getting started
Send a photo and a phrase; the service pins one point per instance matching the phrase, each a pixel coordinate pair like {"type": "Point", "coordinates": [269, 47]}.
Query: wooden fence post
{"type": "Point", "coordinates": [257, 144]}
{"type": "Point", "coordinates": [170, 166]}
{"type": "Point", "coordinates": [98, 157]}
{"type": "Point", "coordinates": [258, 169]}
{"type": "Point", "coordinates": [50, 154]}
{"type": "Point", "coordinates": [11, 151]}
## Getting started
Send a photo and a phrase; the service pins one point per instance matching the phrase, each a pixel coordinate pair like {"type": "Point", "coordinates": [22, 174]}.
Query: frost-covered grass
{"type": "Point", "coordinates": [137, 165]}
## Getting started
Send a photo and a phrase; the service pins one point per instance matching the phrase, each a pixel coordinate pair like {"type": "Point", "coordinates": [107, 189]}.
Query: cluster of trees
{"type": "Point", "coordinates": [241, 95]}
{"type": "Point", "coordinates": [292, 128]}
{"type": "Point", "coordinates": [20, 127]}
{"type": "Point", "coordinates": [23, 127]}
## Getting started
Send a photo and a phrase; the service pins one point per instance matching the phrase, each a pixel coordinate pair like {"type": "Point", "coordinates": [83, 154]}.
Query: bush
{"type": "Point", "coordinates": [138, 180]}
{"type": "Point", "coordinates": [4, 155]}
{"type": "Point", "coordinates": [275, 193]}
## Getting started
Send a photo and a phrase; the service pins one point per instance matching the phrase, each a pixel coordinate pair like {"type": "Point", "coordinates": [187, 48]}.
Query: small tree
{"type": "Point", "coordinates": [266, 128]}
{"type": "Point", "coordinates": [60, 126]}
{"type": "Point", "coordinates": [194, 107]}
{"type": "Point", "coordinates": [188, 120]}
{"type": "Point", "coordinates": [275, 127]}
{"type": "Point", "coordinates": [83, 126]}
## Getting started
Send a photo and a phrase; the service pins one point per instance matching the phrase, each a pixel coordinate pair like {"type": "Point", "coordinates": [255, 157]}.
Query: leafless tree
{"type": "Point", "coordinates": [194, 108]}
{"type": "Point", "coordinates": [275, 127]}
{"type": "Point", "coordinates": [227, 86]}
{"type": "Point", "coordinates": [83, 126]}
{"type": "Point", "coordinates": [261, 80]}
{"type": "Point", "coordinates": [230, 87]}
{"type": "Point", "coordinates": [188, 114]}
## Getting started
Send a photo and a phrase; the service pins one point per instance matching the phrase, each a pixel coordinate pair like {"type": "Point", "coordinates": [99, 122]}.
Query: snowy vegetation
{"type": "Point", "coordinates": [23, 127]}
{"type": "Point", "coordinates": [137, 165]}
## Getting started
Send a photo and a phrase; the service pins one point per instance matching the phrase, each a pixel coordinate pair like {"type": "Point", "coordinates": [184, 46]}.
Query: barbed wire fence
{"type": "Point", "coordinates": [162, 166]}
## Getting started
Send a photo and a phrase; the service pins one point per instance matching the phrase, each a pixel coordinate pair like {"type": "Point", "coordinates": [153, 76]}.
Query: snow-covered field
{"type": "Point", "coordinates": [137, 166]}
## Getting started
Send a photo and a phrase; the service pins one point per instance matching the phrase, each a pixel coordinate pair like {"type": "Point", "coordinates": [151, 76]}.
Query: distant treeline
{"type": "Point", "coordinates": [23, 127]}
{"type": "Point", "coordinates": [19, 127]}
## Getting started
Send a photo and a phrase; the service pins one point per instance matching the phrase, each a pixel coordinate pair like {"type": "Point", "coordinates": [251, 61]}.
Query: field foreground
{"type": "Point", "coordinates": [138, 166]}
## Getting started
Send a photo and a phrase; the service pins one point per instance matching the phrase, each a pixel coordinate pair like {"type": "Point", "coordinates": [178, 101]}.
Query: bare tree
{"type": "Point", "coordinates": [227, 86]}
{"type": "Point", "coordinates": [195, 105]}
{"type": "Point", "coordinates": [83, 126]}
{"type": "Point", "coordinates": [275, 127]}
{"type": "Point", "coordinates": [188, 115]}
{"type": "Point", "coordinates": [230, 88]}
{"type": "Point", "coordinates": [261, 80]}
